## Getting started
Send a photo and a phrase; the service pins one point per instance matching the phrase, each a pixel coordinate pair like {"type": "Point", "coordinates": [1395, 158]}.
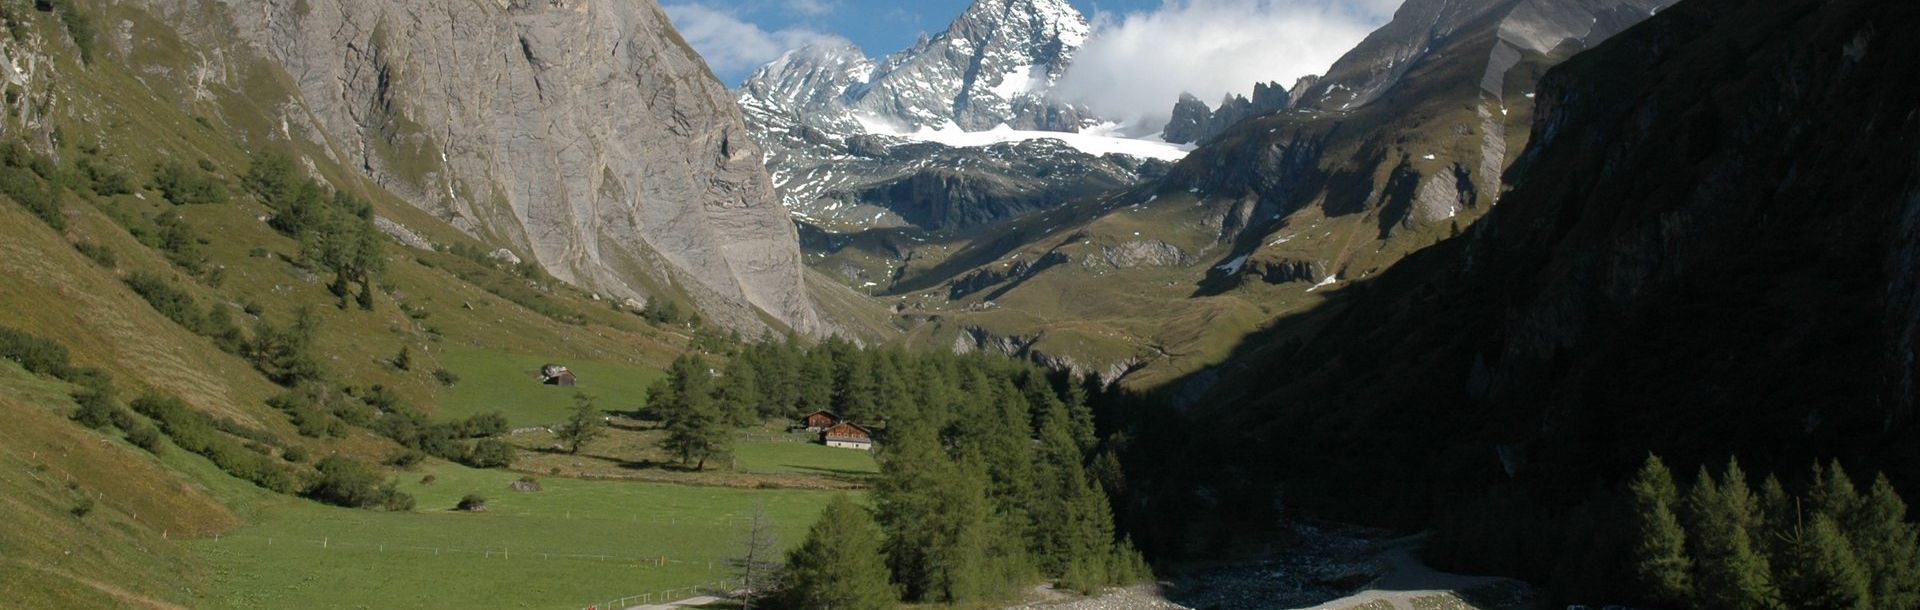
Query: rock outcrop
{"type": "Point", "coordinates": [1193, 122]}
{"type": "Point", "coordinates": [586, 135]}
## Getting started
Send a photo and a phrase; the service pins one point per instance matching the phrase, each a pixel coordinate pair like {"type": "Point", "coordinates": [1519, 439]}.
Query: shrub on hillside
{"type": "Point", "coordinates": [345, 482]}
{"type": "Point", "coordinates": [145, 437]}
{"type": "Point", "coordinates": [170, 300]}
{"type": "Point", "coordinates": [195, 432]}
{"type": "Point", "coordinates": [96, 409]}
{"type": "Point", "coordinates": [104, 180]}
{"type": "Point", "coordinates": [182, 185]}
{"type": "Point", "coordinates": [24, 176]}
{"type": "Point", "coordinates": [407, 459]}
{"type": "Point", "coordinates": [446, 378]}
{"type": "Point", "coordinates": [472, 503]}
{"type": "Point", "coordinates": [99, 254]}
{"type": "Point", "coordinates": [295, 454]}
{"type": "Point", "coordinates": [490, 453]}
{"type": "Point", "coordinates": [38, 355]}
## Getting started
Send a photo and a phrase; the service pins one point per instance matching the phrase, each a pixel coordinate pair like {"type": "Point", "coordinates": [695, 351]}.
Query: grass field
{"type": "Point", "coordinates": [570, 545]}
{"type": "Point", "coordinates": [763, 457]}
{"type": "Point", "coordinates": [509, 383]}
{"type": "Point", "coordinates": [794, 453]}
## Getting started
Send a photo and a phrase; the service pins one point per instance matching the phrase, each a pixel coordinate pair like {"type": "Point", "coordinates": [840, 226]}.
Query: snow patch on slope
{"type": "Point", "coordinates": [1101, 140]}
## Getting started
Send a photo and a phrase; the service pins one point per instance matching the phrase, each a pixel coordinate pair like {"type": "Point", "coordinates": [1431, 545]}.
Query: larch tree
{"type": "Point", "coordinates": [840, 565]}
{"type": "Point", "coordinates": [1660, 560]}
{"type": "Point", "coordinates": [583, 425]}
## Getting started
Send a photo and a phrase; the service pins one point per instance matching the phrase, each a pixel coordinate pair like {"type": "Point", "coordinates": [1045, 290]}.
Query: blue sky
{"type": "Point", "coordinates": [1142, 56]}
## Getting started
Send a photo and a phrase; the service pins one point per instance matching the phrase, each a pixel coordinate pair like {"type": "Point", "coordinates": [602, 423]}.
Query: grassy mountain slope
{"type": "Point", "coordinates": [143, 100]}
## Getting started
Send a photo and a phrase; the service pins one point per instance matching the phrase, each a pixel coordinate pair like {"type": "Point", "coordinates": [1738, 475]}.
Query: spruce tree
{"type": "Point", "coordinates": [1660, 560]}
{"type": "Point", "coordinates": [840, 566]}
{"type": "Point", "coordinates": [583, 425]}
{"type": "Point", "coordinates": [1728, 573]}
{"type": "Point", "coordinates": [739, 391]}
{"type": "Point", "coordinates": [1888, 546]}
{"type": "Point", "coordinates": [1822, 570]}
{"type": "Point", "coordinates": [815, 383]}
{"type": "Point", "coordinates": [1833, 492]}
{"type": "Point", "coordinates": [684, 402]}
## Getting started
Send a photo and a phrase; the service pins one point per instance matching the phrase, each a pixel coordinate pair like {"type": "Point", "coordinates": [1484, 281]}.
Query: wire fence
{"type": "Point", "coordinates": [662, 598]}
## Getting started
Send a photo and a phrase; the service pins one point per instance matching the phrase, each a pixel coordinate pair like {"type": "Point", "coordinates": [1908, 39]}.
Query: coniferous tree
{"type": "Point", "coordinates": [1888, 546]}
{"type": "Point", "coordinates": [840, 566]}
{"type": "Point", "coordinates": [1833, 492]}
{"type": "Point", "coordinates": [1821, 569]}
{"type": "Point", "coordinates": [684, 402]}
{"type": "Point", "coordinates": [582, 426]}
{"type": "Point", "coordinates": [815, 383]}
{"type": "Point", "coordinates": [1660, 559]}
{"type": "Point", "coordinates": [1728, 572]}
{"type": "Point", "coordinates": [739, 391]}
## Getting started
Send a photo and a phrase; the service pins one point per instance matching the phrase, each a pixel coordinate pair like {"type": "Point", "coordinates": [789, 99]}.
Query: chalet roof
{"type": "Point", "coordinates": [847, 424]}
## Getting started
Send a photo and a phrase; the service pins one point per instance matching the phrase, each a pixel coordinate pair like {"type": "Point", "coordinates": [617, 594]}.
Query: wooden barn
{"type": "Point", "coordinates": [819, 421]}
{"type": "Point", "coordinates": [554, 374]}
{"type": "Point", "coordinates": [848, 435]}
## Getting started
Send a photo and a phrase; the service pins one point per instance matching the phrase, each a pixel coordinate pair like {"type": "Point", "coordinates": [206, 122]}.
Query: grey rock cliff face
{"type": "Point", "coordinates": [584, 134]}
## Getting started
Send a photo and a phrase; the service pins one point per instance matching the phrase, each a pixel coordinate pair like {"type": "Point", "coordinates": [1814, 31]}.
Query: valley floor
{"type": "Point", "coordinates": [1403, 582]}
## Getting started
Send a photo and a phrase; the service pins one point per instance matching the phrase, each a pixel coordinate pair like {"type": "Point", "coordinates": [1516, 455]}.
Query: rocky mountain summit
{"type": "Point", "coordinates": [963, 116]}
{"type": "Point", "coordinates": [586, 136]}
{"type": "Point", "coordinates": [1288, 201]}
{"type": "Point", "coordinates": [1193, 122]}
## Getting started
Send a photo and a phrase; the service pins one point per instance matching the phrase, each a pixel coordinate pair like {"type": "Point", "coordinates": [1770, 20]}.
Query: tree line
{"type": "Point", "coordinates": [1723, 545]}
{"type": "Point", "coordinates": [985, 484]}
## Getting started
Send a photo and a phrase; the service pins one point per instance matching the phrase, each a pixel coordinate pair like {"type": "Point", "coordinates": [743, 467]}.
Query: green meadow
{"type": "Point", "coordinates": [795, 454]}
{"type": "Point", "coordinates": [573, 544]}
{"type": "Point", "coordinates": [509, 383]}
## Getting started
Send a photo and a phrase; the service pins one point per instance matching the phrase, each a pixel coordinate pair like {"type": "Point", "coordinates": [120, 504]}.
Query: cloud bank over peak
{"type": "Point", "coordinates": [732, 45]}
{"type": "Point", "coordinates": [1137, 64]}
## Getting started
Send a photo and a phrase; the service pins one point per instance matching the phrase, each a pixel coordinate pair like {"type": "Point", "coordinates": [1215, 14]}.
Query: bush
{"type": "Point", "coordinates": [429, 480]}
{"type": "Point", "coordinates": [490, 453]}
{"type": "Point", "coordinates": [484, 425]}
{"type": "Point", "coordinates": [100, 255]}
{"type": "Point", "coordinates": [407, 459]}
{"type": "Point", "coordinates": [105, 181]}
{"type": "Point", "coordinates": [295, 454]}
{"type": "Point", "coordinates": [83, 507]}
{"type": "Point", "coordinates": [168, 299]}
{"type": "Point", "coordinates": [145, 437]}
{"type": "Point", "coordinates": [38, 355]}
{"type": "Point", "coordinates": [96, 408]}
{"type": "Point", "coordinates": [472, 503]}
{"type": "Point", "coordinates": [26, 187]}
{"type": "Point", "coordinates": [346, 482]}
{"type": "Point", "coordinates": [195, 432]}
{"type": "Point", "coordinates": [182, 185]}
{"type": "Point", "coordinates": [446, 378]}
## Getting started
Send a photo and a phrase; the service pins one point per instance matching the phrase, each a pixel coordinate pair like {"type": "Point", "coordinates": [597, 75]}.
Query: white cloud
{"type": "Point", "coordinates": [731, 45]}
{"type": "Point", "coordinates": [811, 8]}
{"type": "Point", "coordinates": [1137, 64]}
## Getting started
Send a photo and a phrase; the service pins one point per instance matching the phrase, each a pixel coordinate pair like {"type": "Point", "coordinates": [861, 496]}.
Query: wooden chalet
{"type": "Point", "coordinates": [848, 435]}
{"type": "Point", "coordinates": [819, 421]}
